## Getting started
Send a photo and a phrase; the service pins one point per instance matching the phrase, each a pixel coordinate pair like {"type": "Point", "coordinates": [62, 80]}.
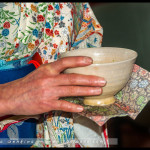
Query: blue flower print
{"type": "Point", "coordinates": [133, 84]}
{"type": "Point", "coordinates": [57, 7]}
{"type": "Point", "coordinates": [85, 6]}
{"type": "Point", "coordinates": [5, 32]}
{"type": "Point", "coordinates": [143, 84]}
{"type": "Point", "coordinates": [47, 25]}
{"type": "Point", "coordinates": [61, 17]}
{"type": "Point", "coordinates": [35, 32]}
{"type": "Point", "coordinates": [55, 57]}
{"type": "Point", "coordinates": [95, 40]}
{"type": "Point", "coordinates": [44, 52]}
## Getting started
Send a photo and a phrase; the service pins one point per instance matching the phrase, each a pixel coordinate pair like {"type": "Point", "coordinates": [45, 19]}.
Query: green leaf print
{"type": "Point", "coordinates": [30, 28]}
{"type": "Point", "coordinates": [11, 13]}
{"type": "Point", "coordinates": [8, 43]}
{"type": "Point", "coordinates": [119, 95]}
{"type": "Point", "coordinates": [140, 100]}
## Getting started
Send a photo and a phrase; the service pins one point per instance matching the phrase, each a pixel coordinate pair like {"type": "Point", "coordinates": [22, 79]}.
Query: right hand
{"type": "Point", "coordinates": [39, 91]}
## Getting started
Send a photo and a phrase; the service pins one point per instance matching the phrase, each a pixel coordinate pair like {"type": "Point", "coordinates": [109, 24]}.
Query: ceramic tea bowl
{"type": "Point", "coordinates": [112, 63]}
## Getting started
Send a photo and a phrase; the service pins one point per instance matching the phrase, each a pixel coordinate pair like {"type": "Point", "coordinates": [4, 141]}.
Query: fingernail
{"type": "Point", "coordinates": [80, 108]}
{"type": "Point", "coordinates": [97, 91]}
{"type": "Point", "coordinates": [103, 82]}
{"type": "Point", "coordinates": [88, 60]}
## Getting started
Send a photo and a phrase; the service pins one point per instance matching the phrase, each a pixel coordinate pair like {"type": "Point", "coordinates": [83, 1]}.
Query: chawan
{"type": "Point", "coordinates": [112, 63]}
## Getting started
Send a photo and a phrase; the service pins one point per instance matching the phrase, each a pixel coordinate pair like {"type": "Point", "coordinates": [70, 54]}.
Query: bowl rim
{"type": "Point", "coordinates": [117, 62]}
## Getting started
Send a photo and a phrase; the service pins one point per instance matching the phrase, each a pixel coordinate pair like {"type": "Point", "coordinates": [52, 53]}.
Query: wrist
{"type": "Point", "coordinates": [5, 106]}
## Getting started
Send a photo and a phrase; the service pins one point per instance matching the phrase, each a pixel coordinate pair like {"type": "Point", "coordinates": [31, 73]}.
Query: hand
{"type": "Point", "coordinates": [39, 91]}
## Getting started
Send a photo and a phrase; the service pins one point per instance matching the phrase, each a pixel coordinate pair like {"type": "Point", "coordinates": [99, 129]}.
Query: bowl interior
{"type": "Point", "coordinates": [103, 55]}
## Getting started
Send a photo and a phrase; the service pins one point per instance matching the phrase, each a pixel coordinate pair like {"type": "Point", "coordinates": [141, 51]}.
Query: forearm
{"type": "Point", "coordinates": [4, 104]}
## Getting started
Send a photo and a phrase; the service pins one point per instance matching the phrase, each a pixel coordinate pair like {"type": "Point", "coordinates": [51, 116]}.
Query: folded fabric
{"type": "Point", "coordinates": [130, 101]}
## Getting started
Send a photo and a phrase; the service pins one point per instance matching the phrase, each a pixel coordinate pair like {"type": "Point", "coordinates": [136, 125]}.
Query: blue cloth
{"type": "Point", "coordinates": [24, 131]}
{"type": "Point", "coordinates": [15, 73]}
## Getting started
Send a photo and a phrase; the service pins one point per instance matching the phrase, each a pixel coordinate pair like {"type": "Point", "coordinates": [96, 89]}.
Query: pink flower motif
{"type": "Point", "coordinates": [136, 68]}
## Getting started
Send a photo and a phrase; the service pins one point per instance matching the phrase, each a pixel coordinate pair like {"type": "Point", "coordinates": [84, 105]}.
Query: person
{"type": "Point", "coordinates": [32, 35]}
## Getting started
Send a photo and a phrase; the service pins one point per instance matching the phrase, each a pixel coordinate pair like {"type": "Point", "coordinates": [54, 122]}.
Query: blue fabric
{"type": "Point", "coordinates": [8, 75]}
{"type": "Point", "coordinates": [25, 129]}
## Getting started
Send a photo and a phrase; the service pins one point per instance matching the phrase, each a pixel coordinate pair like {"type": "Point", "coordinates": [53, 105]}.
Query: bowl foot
{"type": "Point", "coordinates": [99, 102]}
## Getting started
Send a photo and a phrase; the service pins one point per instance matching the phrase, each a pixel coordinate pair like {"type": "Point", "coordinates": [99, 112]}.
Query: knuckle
{"type": "Point", "coordinates": [91, 80]}
{"type": "Point", "coordinates": [63, 61]}
{"type": "Point", "coordinates": [48, 69]}
{"type": "Point", "coordinates": [73, 90]}
{"type": "Point", "coordinates": [71, 78]}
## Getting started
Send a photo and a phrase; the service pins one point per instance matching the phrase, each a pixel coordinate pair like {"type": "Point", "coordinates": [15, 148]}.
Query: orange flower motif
{"type": "Point", "coordinates": [31, 46]}
{"type": "Point", "coordinates": [11, 51]}
{"type": "Point", "coordinates": [45, 48]}
{"type": "Point", "coordinates": [15, 39]}
{"type": "Point", "coordinates": [49, 119]}
{"type": "Point", "coordinates": [21, 9]}
{"type": "Point", "coordinates": [71, 123]}
{"type": "Point", "coordinates": [8, 59]}
{"type": "Point", "coordinates": [61, 42]}
{"type": "Point", "coordinates": [16, 3]}
{"type": "Point", "coordinates": [84, 24]}
{"type": "Point", "coordinates": [53, 51]}
{"type": "Point", "coordinates": [6, 52]}
{"type": "Point", "coordinates": [55, 128]}
{"type": "Point", "coordinates": [33, 7]}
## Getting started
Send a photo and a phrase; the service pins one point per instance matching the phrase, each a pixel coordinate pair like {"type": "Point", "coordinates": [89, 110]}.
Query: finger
{"type": "Point", "coordinates": [78, 79]}
{"type": "Point", "coordinates": [67, 106]}
{"type": "Point", "coordinates": [63, 91]}
{"type": "Point", "coordinates": [69, 62]}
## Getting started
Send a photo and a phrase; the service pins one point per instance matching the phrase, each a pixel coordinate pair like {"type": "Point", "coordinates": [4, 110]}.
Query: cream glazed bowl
{"type": "Point", "coordinates": [113, 63]}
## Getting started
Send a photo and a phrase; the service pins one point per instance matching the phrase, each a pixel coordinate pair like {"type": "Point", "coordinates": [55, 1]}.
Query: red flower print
{"type": "Point", "coordinates": [46, 61]}
{"type": "Point", "coordinates": [56, 32]}
{"type": "Point", "coordinates": [40, 18]}
{"type": "Point", "coordinates": [61, 6]}
{"type": "Point", "coordinates": [87, 10]}
{"type": "Point", "coordinates": [42, 29]}
{"type": "Point", "coordinates": [56, 23]}
{"type": "Point", "coordinates": [49, 32]}
{"type": "Point", "coordinates": [66, 43]}
{"type": "Point", "coordinates": [36, 42]}
{"type": "Point", "coordinates": [26, 15]}
{"type": "Point", "coordinates": [58, 12]}
{"type": "Point", "coordinates": [6, 25]}
{"type": "Point", "coordinates": [17, 45]}
{"type": "Point", "coordinates": [72, 12]}
{"type": "Point", "coordinates": [50, 7]}
{"type": "Point", "coordinates": [26, 56]}
{"type": "Point", "coordinates": [136, 68]}
{"type": "Point", "coordinates": [143, 72]}
{"type": "Point", "coordinates": [55, 45]}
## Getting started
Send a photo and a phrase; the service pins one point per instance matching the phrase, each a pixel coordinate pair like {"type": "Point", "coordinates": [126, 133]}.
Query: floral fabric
{"type": "Point", "coordinates": [53, 28]}
{"type": "Point", "coordinates": [49, 29]}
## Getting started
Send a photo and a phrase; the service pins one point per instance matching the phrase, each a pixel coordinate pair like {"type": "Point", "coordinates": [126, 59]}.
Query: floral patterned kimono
{"type": "Point", "coordinates": [49, 29]}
